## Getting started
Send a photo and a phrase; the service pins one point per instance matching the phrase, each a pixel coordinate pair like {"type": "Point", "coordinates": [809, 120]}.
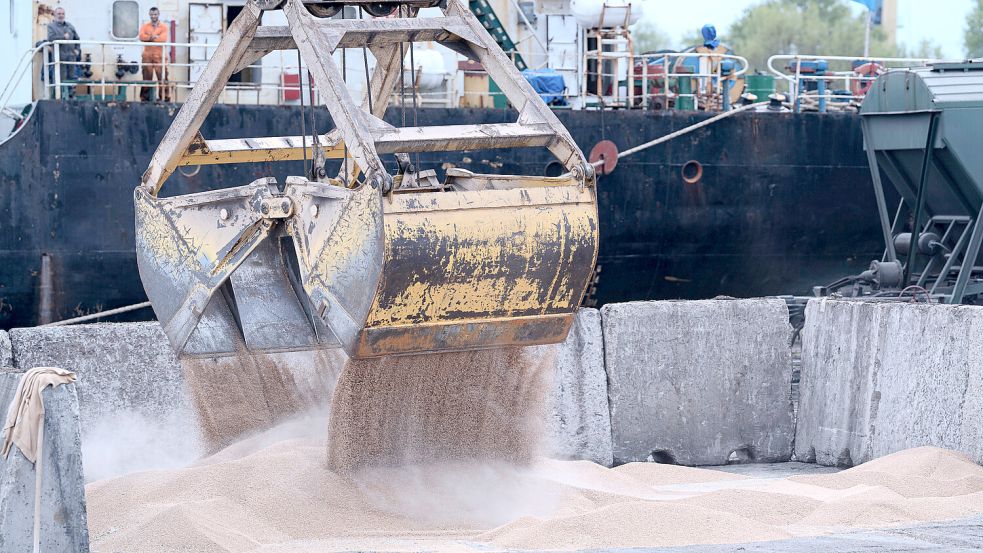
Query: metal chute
{"type": "Point", "coordinates": [378, 264]}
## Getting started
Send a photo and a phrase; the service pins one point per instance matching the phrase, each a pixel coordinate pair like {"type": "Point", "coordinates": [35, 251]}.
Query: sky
{"type": "Point", "coordinates": [942, 21]}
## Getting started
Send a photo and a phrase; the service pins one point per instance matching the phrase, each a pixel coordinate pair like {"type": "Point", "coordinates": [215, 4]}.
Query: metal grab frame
{"type": "Point", "coordinates": [537, 125]}
{"type": "Point", "coordinates": [355, 287]}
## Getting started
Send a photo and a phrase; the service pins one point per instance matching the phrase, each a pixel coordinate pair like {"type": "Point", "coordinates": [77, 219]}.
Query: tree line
{"type": "Point", "coordinates": [827, 27]}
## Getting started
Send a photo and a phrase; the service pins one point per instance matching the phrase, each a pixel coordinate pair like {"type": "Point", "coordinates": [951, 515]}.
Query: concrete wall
{"type": "Point", "coordinates": [6, 353]}
{"type": "Point", "coordinates": [129, 384]}
{"type": "Point", "coordinates": [695, 381]}
{"type": "Point", "coordinates": [64, 526]}
{"type": "Point", "coordinates": [686, 378]}
{"type": "Point", "coordinates": [881, 377]}
{"type": "Point", "coordinates": [579, 423]}
{"type": "Point", "coordinates": [130, 381]}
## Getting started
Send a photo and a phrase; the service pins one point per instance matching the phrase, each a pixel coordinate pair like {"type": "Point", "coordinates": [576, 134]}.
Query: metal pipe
{"type": "Point", "coordinates": [821, 91]}
{"type": "Point", "coordinates": [796, 100]}
{"type": "Point", "coordinates": [100, 314]}
{"type": "Point", "coordinates": [57, 71]}
{"type": "Point", "coordinates": [931, 263]}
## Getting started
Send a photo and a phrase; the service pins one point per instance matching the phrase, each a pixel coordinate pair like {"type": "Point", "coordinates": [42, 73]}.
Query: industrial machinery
{"type": "Point", "coordinates": [377, 263]}
{"type": "Point", "coordinates": [921, 132]}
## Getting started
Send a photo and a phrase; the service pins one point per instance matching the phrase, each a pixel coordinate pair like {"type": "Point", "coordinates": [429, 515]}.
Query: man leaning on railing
{"type": "Point", "coordinates": [153, 57]}
{"type": "Point", "coordinates": [68, 54]}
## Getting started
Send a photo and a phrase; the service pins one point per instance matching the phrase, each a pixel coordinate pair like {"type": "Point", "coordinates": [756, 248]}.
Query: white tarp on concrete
{"type": "Point", "coordinates": [881, 377]}
{"type": "Point", "coordinates": [63, 519]}
{"type": "Point", "coordinates": [694, 382]}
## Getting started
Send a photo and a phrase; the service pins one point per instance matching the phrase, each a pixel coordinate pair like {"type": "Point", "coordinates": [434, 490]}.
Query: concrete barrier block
{"type": "Point", "coordinates": [64, 527]}
{"type": "Point", "coordinates": [6, 353]}
{"type": "Point", "coordinates": [578, 422]}
{"type": "Point", "coordinates": [880, 377]}
{"type": "Point", "coordinates": [120, 366]}
{"type": "Point", "coordinates": [699, 382]}
{"type": "Point", "coordinates": [132, 385]}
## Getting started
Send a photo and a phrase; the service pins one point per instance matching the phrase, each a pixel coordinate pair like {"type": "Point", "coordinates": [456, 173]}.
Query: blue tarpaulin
{"type": "Point", "coordinates": [875, 9]}
{"type": "Point", "coordinates": [548, 83]}
{"type": "Point", "coordinates": [872, 5]}
{"type": "Point", "coordinates": [710, 39]}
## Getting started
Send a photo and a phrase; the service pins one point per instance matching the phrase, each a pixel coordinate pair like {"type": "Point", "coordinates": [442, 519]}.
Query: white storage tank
{"type": "Point", "coordinates": [592, 14]}
{"type": "Point", "coordinates": [430, 69]}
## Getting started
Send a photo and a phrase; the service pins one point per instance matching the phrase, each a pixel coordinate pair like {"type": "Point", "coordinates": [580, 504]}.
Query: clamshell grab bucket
{"type": "Point", "coordinates": [420, 272]}
{"type": "Point", "coordinates": [377, 264]}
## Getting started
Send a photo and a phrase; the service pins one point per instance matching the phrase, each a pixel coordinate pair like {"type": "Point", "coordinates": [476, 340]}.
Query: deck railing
{"type": "Point", "coordinates": [690, 80]}
{"type": "Point", "coordinates": [824, 83]}
{"type": "Point", "coordinates": [116, 67]}
{"type": "Point", "coordinates": [111, 70]}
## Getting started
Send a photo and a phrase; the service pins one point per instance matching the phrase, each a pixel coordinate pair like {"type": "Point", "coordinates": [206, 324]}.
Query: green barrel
{"type": "Point", "coordinates": [760, 85]}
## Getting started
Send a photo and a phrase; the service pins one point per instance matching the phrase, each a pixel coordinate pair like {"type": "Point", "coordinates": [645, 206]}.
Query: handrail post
{"type": "Point", "coordinates": [102, 74]}
{"type": "Point", "coordinates": [665, 80]}
{"type": "Point", "coordinates": [57, 71]}
{"type": "Point", "coordinates": [796, 106]}
{"type": "Point", "coordinates": [45, 84]}
{"type": "Point", "coordinates": [821, 84]}
{"type": "Point", "coordinates": [645, 84]}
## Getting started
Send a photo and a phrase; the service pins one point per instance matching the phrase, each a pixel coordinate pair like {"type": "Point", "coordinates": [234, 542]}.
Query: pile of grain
{"type": "Point", "coordinates": [280, 498]}
{"type": "Point", "coordinates": [440, 453]}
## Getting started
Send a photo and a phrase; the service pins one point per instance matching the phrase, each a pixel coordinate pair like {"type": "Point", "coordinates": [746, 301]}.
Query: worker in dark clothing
{"type": "Point", "coordinates": [69, 54]}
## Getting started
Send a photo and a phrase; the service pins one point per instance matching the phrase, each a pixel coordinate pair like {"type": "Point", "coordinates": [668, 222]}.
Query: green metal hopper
{"type": "Point", "coordinates": [922, 132]}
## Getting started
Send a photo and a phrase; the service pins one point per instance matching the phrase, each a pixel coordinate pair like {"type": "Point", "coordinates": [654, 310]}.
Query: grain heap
{"type": "Point", "coordinates": [279, 498]}
{"type": "Point", "coordinates": [440, 453]}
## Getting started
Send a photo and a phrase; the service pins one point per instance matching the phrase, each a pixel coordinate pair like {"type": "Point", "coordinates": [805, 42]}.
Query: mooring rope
{"type": "Point", "coordinates": [685, 130]}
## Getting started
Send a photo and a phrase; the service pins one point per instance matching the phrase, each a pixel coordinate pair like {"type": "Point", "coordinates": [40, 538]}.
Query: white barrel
{"type": "Point", "coordinates": [592, 14]}
{"type": "Point", "coordinates": [430, 69]}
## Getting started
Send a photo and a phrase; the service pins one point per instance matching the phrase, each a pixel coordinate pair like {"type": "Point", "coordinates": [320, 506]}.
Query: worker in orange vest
{"type": "Point", "coordinates": [153, 56]}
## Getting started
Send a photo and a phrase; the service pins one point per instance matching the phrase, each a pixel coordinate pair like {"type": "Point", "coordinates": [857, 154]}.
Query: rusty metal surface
{"type": "Point", "coordinates": [604, 156]}
{"type": "Point", "coordinates": [463, 335]}
{"type": "Point", "coordinates": [481, 268]}
{"type": "Point", "coordinates": [485, 254]}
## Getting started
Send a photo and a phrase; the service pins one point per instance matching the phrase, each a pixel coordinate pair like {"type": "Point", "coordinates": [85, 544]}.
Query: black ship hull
{"type": "Point", "coordinates": [784, 202]}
